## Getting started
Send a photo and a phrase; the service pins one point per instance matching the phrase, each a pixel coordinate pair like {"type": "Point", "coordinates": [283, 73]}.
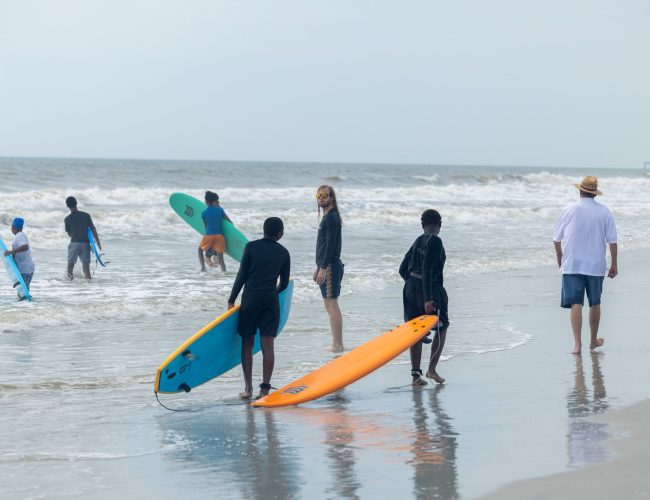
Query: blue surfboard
{"type": "Point", "coordinates": [93, 245]}
{"type": "Point", "coordinates": [14, 274]}
{"type": "Point", "coordinates": [211, 352]}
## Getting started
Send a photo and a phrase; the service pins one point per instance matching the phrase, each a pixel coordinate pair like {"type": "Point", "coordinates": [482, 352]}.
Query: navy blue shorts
{"type": "Point", "coordinates": [574, 287]}
{"type": "Point", "coordinates": [331, 288]}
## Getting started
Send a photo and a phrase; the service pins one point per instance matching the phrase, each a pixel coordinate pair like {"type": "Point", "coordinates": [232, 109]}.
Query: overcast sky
{"type": "Point", "coordinates": [480, 82]}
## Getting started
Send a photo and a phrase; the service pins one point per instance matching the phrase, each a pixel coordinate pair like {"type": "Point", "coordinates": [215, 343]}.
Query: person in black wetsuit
{"type": "Point", "coordinates": [262, 263]}
{"type": "Point", "coordinates": [424, 293]}
{"type": "Point", "coordinates": [329, 270]}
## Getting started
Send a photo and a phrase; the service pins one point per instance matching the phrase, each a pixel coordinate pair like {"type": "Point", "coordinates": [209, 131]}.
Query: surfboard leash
{"type": "Point", "coordinates": [167, 407]}
{"type": "Point", "coordinates": [437, 336]}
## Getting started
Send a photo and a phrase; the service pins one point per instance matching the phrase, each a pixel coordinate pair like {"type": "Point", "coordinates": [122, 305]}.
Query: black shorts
{"type": "Point", "coordinates": [413, 298]}
{"type": "Point", "coordinates": [260, 309]}
{"type": "Point", "coordinates": [331, 288]}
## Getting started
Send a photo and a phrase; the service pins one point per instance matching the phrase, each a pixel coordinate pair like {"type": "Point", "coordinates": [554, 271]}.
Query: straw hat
{"type": "Point", "coordinates": [589, 185]}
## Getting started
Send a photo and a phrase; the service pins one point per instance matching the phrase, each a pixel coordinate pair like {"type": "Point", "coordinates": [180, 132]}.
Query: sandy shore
{"type": "Point", "coordinates": [625, 477]}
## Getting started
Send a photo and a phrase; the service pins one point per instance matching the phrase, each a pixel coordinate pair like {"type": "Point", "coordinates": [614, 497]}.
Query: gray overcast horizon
{"type": "Point", "coordinates": [511, 83]}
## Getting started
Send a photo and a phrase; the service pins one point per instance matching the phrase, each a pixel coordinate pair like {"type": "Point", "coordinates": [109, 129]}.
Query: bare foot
{"type": "Point", "coordinates": [336, 348]}
{"type": "Point", "coordinates": [577, 350]}
{"type": "Point", "coordinates": [247, 394]}
{"type": "Point", "coordinates": [433, 375]}
{"type": "Point", "coordinates": [418, 382]}
{"type": "Point", "coordinates": [599, 343]}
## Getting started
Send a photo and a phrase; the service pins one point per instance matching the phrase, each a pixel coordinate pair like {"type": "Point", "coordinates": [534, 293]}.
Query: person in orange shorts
{"type": "Point", "coordinates": [213, 243]}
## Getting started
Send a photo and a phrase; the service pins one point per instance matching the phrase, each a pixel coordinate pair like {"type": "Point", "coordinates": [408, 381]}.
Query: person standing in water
{"type": "Point", "coordinates": [581, 236]}
{"type": "Point", "coordinates": [329, 270]}
{"type": "Point", "coordinates": [424, 293]}
{"type": "Point", "coordinates": [21, 253]}
{"type": "Point", "coordinates": [214, 242]}
{"type": "Point", "coordinates": [76, 225]}
{"type": "Point", "coordinates": [262, 263]}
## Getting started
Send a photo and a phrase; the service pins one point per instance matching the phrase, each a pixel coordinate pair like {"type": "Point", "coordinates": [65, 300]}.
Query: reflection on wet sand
{"type": "Point", "coordinates": [246, 447]}
{"type": "Point", "coordinates": [260, 452]}
{"type": "Point", "coordinates": [339, 439]}
{"type": "Point", "coordinates": [273, 476]}
{"type": "Point", "coordinates": [345, 433]}
{"type": "Point", "coordinates": [585, 438]}
{"type": "Point", "coordinates": [434, 448]}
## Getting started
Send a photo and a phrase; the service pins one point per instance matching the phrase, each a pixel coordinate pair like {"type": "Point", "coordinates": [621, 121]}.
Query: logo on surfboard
{"type": "Point", "coordinates": [295, 390]}
{"type": "Point", "coordinates": [189, 211]}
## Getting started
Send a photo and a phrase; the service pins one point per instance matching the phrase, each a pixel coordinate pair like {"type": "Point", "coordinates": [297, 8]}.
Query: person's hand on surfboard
{"type": "Point", "coordinates": [230, 306]}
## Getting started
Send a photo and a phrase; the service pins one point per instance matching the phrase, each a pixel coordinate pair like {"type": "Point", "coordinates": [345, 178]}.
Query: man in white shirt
{"type": "Point", "coordinates": [581, 236]}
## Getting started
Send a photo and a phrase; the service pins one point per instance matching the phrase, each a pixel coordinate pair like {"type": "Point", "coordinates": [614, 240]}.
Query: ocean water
{"type": "Point", "coordinates": [77, 364]}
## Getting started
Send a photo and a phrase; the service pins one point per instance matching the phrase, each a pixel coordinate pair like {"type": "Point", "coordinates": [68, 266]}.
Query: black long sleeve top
{"type": "Point", "coordinates": [426, 257]}
{"type": "Point", "coordinates": [262, 263]}
{"type": "Point", "coordinates": [329, 241]}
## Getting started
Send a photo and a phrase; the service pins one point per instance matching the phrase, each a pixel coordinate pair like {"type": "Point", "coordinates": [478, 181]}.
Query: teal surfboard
{"type": "Point", "coordinates": [211, 352]}
{"type": "Point", "coordinates": [189, 209]}
{"type": "Point", "coordinates": [93, 245]}
{"type": "Point", "coordinates": [14, 274]}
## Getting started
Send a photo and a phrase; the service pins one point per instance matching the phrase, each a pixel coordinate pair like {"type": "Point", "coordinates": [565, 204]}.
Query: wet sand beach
{"type": "Point", "coordinates": [625, 476]}
{"type": "Point", "coordinates": [501, 417]}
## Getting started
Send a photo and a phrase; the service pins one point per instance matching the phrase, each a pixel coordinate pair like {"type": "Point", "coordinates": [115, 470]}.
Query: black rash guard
{"type": "Point", "coordinates": [328, 243]}
{"type": "Point", "coordinates": [426, 257]}
{"type": "Point", "coordinates": [261, 264]}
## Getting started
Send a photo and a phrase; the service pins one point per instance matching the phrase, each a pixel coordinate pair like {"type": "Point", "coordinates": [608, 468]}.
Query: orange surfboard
{"type": "Point", "coordinates": [351, 366]}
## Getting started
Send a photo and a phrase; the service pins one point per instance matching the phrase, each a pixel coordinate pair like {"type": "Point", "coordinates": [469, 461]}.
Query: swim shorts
{"type": "Point", "coordinates": [214, 242]}
{"type": "Point", "coordinates": [413, 299]}
{"type": "Point", "coordinates": [331, 287]}
{"type": "Point", "coordinates": [80, 250]}
{"type": "Point", "coordinates": [574, 287]}
{"type": "Point", "coordinates": [260, 309]}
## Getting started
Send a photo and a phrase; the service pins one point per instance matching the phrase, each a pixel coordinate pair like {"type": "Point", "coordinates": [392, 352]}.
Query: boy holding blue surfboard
{"type": "Point", "coordinates": [21, 253]}
{"type": "Point", "coordinates": [264, 261]}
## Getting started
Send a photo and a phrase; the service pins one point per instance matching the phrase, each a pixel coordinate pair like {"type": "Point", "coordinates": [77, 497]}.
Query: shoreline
{"type": "Point", "coordinates": [623, 477]}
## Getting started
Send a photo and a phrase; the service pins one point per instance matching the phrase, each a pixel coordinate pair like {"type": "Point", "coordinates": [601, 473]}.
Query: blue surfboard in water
{"type": "Point", "coordinates": [212, 351]}
{"type": "Point", "coordinates": [14, 274]}
{"type": "Point", "coordinates": [93, 245]}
